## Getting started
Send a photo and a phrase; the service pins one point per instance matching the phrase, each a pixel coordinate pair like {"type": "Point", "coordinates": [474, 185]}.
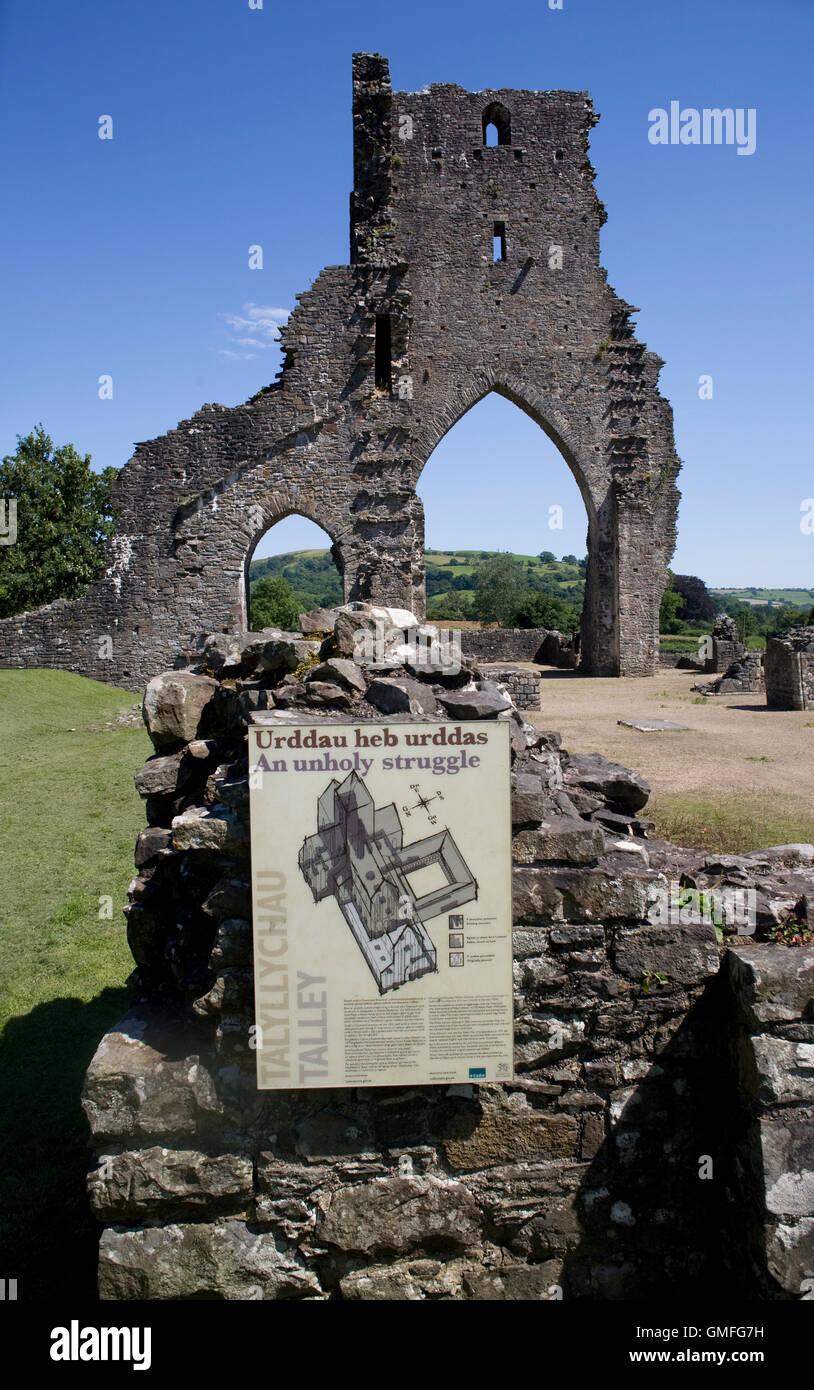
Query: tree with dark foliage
{"type": "Point", "coordinates": [697, 606]}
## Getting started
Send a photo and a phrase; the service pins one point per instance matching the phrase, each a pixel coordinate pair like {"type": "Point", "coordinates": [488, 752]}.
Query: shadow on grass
{"type": "Point", "coordinates": [48, 1236]}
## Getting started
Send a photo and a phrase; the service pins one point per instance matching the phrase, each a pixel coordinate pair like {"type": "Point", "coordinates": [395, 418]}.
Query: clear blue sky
{"type": "Point", "coordinates": [232, 127]}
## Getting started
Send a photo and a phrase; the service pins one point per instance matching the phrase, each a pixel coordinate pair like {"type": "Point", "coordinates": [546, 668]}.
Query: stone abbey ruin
{"type": "Point", "coordinates": [473, 268]}
{"type": "Point", "coordinates": [655, 1137]}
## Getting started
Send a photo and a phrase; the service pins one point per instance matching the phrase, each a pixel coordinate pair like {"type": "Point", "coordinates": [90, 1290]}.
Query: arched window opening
{"type": "Point", "coordinates": [497, 125]}
{"type": "Point", "coordinates": [292, 570]}
{"type": "Point", "coordinates": [505, 525]}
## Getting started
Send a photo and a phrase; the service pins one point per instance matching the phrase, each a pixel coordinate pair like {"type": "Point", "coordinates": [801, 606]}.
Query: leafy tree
{"type": "Point", "coordinates": [750, 622]}
{"type": "Point", "coordinates": [500, 585]}
{"type": "Point", "coordinates": [64, 518]}
{"type": "Point", "coordinates": [788, 618]}
{"type": "Point", "coordinates": [452, 604]}
{"type": "Point", "coordinates": [437, 578]}
{"type": "Point", "coordinates": [547, 557]}
{"type": "Point", "coordinates": [318, 587]}
{"type": "Point", "coordinates": [696, 606]}
{"type": "Point", "coordinates": [671, 601]}
{"type": "Point", "coordinates": [543, 610]}
{"type": "Point", "coordinates": [273, 604]}
{"type": "Point", "coordinates": [570, 560]}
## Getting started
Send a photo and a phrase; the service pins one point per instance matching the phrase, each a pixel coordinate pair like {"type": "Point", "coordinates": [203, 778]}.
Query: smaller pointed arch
{"type": "Point", "coordinates": [497, 117]}
{"type": "Point", "coordinates": [313, 572]}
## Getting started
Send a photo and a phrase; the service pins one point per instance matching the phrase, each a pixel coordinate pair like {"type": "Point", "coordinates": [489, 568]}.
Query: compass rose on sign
{"type": "Point", "coordinates": [423, 803]}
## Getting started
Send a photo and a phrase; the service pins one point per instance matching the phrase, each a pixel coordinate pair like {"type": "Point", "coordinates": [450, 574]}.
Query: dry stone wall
{"type": "Point", "coordinates": [580, 1178]}
{"type": "Point", "coordinates": [381, 358]}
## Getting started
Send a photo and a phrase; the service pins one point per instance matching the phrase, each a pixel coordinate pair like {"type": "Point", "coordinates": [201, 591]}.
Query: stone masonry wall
{"type": "Point", "coordinates": [544, 645]}
{"type": "Point", "coordinates": [504, 643]}
{"type": "Point", "coordinates": [773, 1049]}
{"type": "Point", "coordinates": [343, 441]}
{"type": "Point", "coordinates": [789, 670]}
{"type": "Point", "coordinates": [578, 1179]}
{"type": "Point", "coordinates": [521, 684]}
{"type": "Point", "coordinates": [726, 646]}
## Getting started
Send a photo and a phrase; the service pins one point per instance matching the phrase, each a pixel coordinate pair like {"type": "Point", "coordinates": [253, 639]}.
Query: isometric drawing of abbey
{"type": "Point", "coordinates": [359, 857]}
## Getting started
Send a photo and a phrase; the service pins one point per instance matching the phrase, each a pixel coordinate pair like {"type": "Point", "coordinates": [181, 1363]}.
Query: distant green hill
{"type": "Point", "coordinates": [451, 576]}
{"type": "Point", "coordinates": [316, 583]}
{"type": "Point", "coordinates": [312, 575]}
{"type": "Point", "coordinates": [796, 598]}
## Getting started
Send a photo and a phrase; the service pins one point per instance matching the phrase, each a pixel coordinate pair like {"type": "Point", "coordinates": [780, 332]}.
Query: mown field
{"type": "Point", "coordinates": [69, 816]}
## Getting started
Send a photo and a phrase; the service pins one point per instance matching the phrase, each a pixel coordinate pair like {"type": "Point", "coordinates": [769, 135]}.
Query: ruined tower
{"type": "Point", "coordinates": [474, 267]}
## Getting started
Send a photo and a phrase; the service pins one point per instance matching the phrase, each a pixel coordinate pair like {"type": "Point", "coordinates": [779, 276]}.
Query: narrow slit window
{"type": "Point", "coordinates": [384, 352]}
{"type": "Point", "coordinates": [499, 242]}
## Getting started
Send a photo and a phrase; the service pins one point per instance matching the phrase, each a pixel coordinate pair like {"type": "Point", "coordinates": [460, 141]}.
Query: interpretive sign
{"type": "Point", "coordinates": [381, 881]}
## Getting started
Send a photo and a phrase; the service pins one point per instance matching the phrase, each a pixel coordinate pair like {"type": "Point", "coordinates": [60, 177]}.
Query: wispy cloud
{"type": "Point", "coordinates": [254, 330]}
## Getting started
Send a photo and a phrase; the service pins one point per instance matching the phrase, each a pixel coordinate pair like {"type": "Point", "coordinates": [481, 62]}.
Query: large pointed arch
{"type": "Point", "coordinates": [546, 413]}
{"type": "Point", "coordinates": [600, 604]}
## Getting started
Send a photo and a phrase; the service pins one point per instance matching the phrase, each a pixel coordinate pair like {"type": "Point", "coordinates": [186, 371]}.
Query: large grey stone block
{"type": "Point", "coordinates": [227, 1260]}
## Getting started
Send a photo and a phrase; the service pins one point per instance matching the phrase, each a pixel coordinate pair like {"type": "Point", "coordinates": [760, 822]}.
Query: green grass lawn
{"type": "Point", "coordinates": [69, 816]}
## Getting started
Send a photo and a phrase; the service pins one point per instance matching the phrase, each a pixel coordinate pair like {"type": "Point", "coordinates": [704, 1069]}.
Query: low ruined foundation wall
{"type": "Point", "coordinates": [545, 646]}
{"type": "Point", "coordinates": [504, 643]}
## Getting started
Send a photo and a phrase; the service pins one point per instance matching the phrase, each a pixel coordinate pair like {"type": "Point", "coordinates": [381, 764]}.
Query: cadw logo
{"type": "Point", "coordinates": [103, 1344]}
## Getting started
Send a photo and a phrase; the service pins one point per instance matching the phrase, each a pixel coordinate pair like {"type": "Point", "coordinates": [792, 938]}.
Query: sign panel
{"type": "Point", "coordinates": [381, 881]}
